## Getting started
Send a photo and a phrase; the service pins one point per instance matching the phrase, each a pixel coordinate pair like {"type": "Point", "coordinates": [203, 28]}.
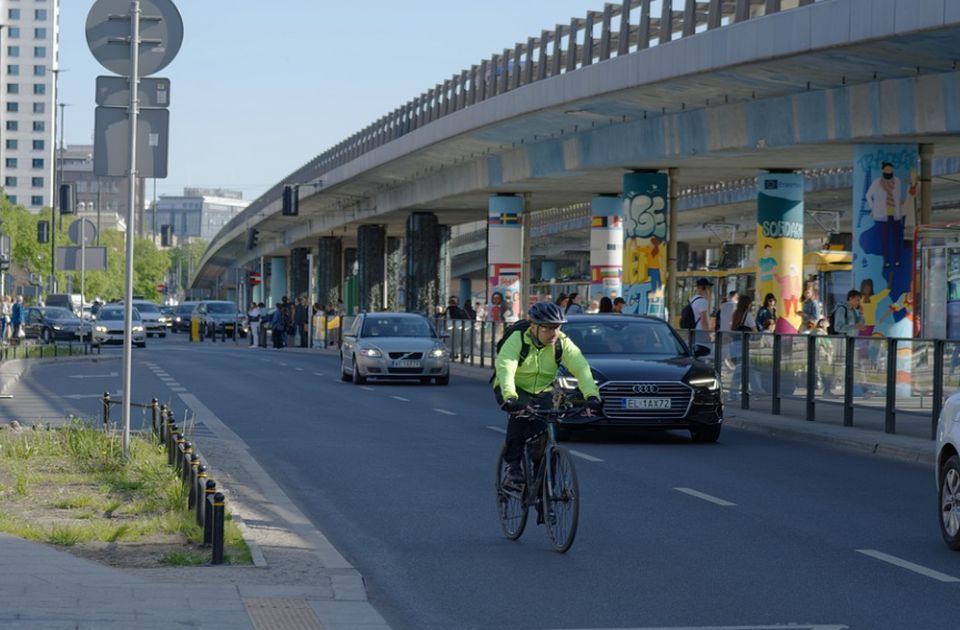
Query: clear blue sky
{"type": "Point", "coordinates": [261, 87]}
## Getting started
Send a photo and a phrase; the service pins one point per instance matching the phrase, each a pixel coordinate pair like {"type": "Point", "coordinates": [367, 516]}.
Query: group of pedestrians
{"type": "Point", "coordinates": [11, 319]}
{"type": "Point", "coordinates": [289, 323]}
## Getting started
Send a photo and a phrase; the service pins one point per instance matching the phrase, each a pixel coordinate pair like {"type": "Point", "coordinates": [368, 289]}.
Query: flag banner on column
{"type": "Point", "coordinates": [780, 246]}
{"type": "Point", "coordinates": [504, 258]}
{"type": "Point", "coordinates": [606, 247]}
{"type": "Point", "coordinates": [645, 242]}
{"type": "Point", "coordinates": [884, 196]}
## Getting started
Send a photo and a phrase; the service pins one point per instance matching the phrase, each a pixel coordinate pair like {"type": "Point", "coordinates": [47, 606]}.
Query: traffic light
{"type": "Point", "coordinates": [253, 278]}
{"type": "Point", "coordinates": [68, 199]}
{"type": "Point", "coordinates": [252, 234]}
{"type": "Point", "coordinates": [43, 232]}
{"type": "Point", "coordinates": [291, 201]}
{"type": "Point", "coordinates": [4, 262]}
{"type": "Point", "coordinates": [166, 235]}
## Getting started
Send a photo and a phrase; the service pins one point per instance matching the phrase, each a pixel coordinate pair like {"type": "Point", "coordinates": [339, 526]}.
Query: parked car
{"type": "Point", "coordinates": [109, 326]}
{"type": "Point", "coordinates": [393, 345]}
{"type": "Point", "coordinates": [182, 315]}
{"type": "Point", "coordinates": [220, 317]}
{"type": "Point", "coordinates": [647, 375]}
{"type": "Point", "coordinates": [948, 471]}
{"type": "Point", "coordinates": [51, 323]}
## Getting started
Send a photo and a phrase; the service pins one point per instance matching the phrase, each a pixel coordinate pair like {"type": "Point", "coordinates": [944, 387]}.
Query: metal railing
{"type": "Point", "coordinates": [896, 385]}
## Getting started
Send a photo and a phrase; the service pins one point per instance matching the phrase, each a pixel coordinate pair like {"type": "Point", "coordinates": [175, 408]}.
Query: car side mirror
{"type": "Point", "coordinates": [700, 350]}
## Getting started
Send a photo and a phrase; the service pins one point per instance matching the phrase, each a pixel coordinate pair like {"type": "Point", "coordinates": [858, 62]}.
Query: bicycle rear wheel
{"type": "Point", "coordinates": [510, 505]}
{"type": "Point", "coordinates": [561, 499]}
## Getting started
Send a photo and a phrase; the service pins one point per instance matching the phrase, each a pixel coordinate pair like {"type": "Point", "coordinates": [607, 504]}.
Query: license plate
{"type": "Point", "coordinates": [646, 403]}
{"type": "Point", "coordinates": [406, 364]}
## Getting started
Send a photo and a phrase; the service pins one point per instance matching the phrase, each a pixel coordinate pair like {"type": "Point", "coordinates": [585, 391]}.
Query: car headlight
{"type": "Point", "coordinates": [101, 329]}
{"type": "Point", "coordinates": [709, 383]}
{"type": "Point", "coordinates": [370, 352]}
{"type": "Point", "coordinates": [438, 353]}
{"type": "Point", "coordinates": [58, 327]}
{"type": "Point", "coordinates": [567, 382]}
{"type": "Point", "coordinates": [177, 319]}
{"type": "Point", "coordinates": [138, 329]}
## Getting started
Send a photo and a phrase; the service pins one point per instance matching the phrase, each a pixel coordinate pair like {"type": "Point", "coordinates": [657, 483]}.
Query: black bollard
{"type": "Point", "coordinates": [209, 493]}
{"type": "Point", "coordinates": [178, 452]}
{"type": "Point", "coordinates": [106, 411]}
{"type": "Point", "coordinates": [162, 429]}
{"type": "Point", "coordinates": [185, 461]}
{"type": "Point", "coordinates": [192, 480]}
{"type": "Point", "coordinates": [198, 493]}
{"type": "Point", "coordinates": [175, 439]}
{"type": "Point", "coordinates": [217, 533]}
{"type": "Point", "coordinates": [155, 416]}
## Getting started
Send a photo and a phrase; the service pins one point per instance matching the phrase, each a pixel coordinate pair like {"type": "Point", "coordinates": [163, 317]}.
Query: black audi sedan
{"type": "Point", "coordinates": [648, 377]}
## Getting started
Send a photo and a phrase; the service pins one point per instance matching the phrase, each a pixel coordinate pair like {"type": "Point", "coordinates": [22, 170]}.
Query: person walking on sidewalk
{"type": "Point", "coordinates": [277, 326]}
{"type": "Point", "coordinates": [16, 319]}
{"type": "Point", "coordinates": [253, 318]}
{"type": "Point", "coordinates": [300, 321]}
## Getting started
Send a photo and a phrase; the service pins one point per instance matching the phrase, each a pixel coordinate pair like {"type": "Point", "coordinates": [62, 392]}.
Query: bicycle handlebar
{"type": "Point", "coordinates": [554, 414]}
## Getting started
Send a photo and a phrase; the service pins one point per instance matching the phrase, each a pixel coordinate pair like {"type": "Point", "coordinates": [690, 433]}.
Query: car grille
{"type": "Point", "coordinates": [412, 356]}
{"type": "Point", "coordinates": [614, 393]}
{"type": "Point", "coordinates": [404, 370]}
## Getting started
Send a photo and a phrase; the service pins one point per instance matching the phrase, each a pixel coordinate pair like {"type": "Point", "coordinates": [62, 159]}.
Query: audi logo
{"type": "Point", "coordinates": [646, 388]}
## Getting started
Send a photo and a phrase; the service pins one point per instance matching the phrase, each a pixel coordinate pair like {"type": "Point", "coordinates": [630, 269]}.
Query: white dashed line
{"type": "Point", "coordinates": [364, 387]}
{"type": "Point", "coordinates": [283, 364]}
{"type": "Point", "coordinates": [178, 389]}
{"type": "Point", "coordinates": [909, 566]}
{"type": "Point", "coordinates": [581, 455]}
{"type": "Point", "coordinates": [705, 497]}
{"type": "Point", "coordinates": [400, 398]}
{"type": "Point", "coordinates": [318, 373]}
{"type": "Point", "coordinates": [444, 411]}
{"type": "Point", "coordinates": [299, 369]}
{"type": "Point", "coordinates": [497, 429]}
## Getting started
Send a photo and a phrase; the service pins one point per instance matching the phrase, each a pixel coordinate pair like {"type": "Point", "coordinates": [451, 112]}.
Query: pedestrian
{"type": "Point", "coordinates": [16, 319]}
{"type": "Point", "coordinates": [847, 320]}
{"type": "Point", "coordinates": [812, 311]}
{"type": "Point", "coordinates": [286, 314]}
{"type": "Point", "coordinates": [767, 315]}
{"type": "Point", "coordinates": [253, 319]}
{"type": "Point", "coordinates": [742, 322]}
{"type": "Point", "coordinates": [453, 309]}
{"type": "Point", "coordinates": [469, 310]}
{"type": "Point", "coordinates": [5, 309]}
{"type": "Point", "coordinates": [300, 321]}
{"type": "Point", "coordinates": [618, 304]}
{"type": "Point", "coordinates": [277, 326]}
{"type": "Point", "coordinates": [700, 305]}
{"type": "Point", "coordinates": [606, 305]}
{"type": "Point", "coordinates": [573, 306]}
{"type": "Point", "coordinates": [725, 314]}
{"type": "Point", "coordinates": [562, 301]}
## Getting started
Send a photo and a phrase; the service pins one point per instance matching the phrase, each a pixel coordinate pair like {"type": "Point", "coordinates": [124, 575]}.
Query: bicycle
{"type": "Point", "coordinates": [552, 489]}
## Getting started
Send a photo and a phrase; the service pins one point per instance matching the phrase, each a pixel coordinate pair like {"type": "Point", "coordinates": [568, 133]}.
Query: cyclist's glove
{"type": "Point", "coordinates": [594, 404]}
{"type": "Point", "coordinates": [513, 406]}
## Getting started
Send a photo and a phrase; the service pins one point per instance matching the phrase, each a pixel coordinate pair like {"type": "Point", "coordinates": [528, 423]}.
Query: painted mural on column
{"type": "Point", "coordinates": [504, 258]}
{"type": "Point", "coordinates": [606, 247]}
{"type": "Point", "coordinates": [884, 195]}
{"type": "Point", "coordinates": [780, 246]}
{"type": "Point", "coordinates": [645, 242]}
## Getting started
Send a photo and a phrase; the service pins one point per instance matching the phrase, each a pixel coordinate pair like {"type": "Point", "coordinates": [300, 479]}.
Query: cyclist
{"type": "Point", "coordinates": [524, 380]}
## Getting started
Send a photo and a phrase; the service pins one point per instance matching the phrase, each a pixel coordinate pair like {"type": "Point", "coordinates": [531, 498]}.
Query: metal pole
{"type": "Point", "coordinates": [926, 173]}
{"type": "Point", "coordinates": [670, 301]}
{"type": "Point", "coordinates": [132, 179]}
{"type": "Point", "coordinates": [83, 271]}
{"type": "Point", "coordinates": [311, 297]}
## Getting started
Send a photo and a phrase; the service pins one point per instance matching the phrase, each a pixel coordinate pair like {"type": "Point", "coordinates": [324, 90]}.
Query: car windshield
{"type": "Point", "coordinates": [58, 312]}
{"type": "Point", "coordinates": [396, 327]}
{"type": "Point", "coordinates": [221, 308]}
{"type": "Point", "coordinates": [147, 307]}
{"type": "Point", "coordinates": [114, 314]}
{"type": "Point", "coordinates": [185, 309]}
{"type": "Point", "coordinates": [625, 336]}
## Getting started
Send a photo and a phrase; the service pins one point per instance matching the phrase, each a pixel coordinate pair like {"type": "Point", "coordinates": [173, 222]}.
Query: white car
{"type": "Point", "coordinates": [393, 345]}
{"type": "Point", "coordinates": [108, 327]}
{"type": "Point", "coordinates": [948, 471]}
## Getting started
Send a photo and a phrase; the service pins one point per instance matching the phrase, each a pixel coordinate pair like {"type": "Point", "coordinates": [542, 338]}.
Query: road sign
{"type": "Point", "coordinates": [254, 277]}
{"type": "Point", "coordinates": [111, 157]}
{"type": "Point", "coordinates": [89, 231]}
{"type": "Point", "coordinates": [161, 287]}
{"type": "Point", "coordinates": [115, 92]}
{"type": "Point", "coordinates": [68, 258]}
{"type": "Point", "coordinates": [108, 35]}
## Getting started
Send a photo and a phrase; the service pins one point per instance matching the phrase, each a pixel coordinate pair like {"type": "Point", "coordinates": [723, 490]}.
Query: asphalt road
{"type": "Point", "coordinates": [751, 532]}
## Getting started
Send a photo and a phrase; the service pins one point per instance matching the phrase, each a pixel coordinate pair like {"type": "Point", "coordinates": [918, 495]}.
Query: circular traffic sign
{"type": "Point", "coordinates": [109, 32]}
{"type": "Point", "coordinates": [89, 232]}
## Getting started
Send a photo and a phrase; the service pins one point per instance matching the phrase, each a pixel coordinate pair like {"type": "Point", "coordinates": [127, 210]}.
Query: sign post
{"type": "Point", "coordinates": [114, 37]}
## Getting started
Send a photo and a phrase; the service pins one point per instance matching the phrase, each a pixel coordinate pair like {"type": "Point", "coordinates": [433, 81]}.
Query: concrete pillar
{"type": "Point", "coordinates": [299, 272]}
{"type": "Point", "coordinates": [780, 246]}
{"type": "Point", "coordinates": [422, 291]}
{"type": "Point", "coordinates": [464, 291]}
{"type": "Point", "coordinates": [443, 276]}
{"type": "Point", "coordinates": [926, 176]}
{"type": "Point", "coordinates": [671, 299]}
{"type": "Point", "coordinates": [278, 279]}
{"type": "Point", "coordinates": [644, 241]}
{"type": "Point", "coordinates": [504, 257]}
{"type": "Point", "coordinates": [329, 270]}
{"type": "Point", "coordinates": [371, 255]}
{"type": "Point", "coordinates": [396, 274]}
{"type": "Point", "coordinates": [350, 295]}
{"type": "Point", "coordinates": [606, 247]}
{"type": "Point", "coordinates": [882, 260]}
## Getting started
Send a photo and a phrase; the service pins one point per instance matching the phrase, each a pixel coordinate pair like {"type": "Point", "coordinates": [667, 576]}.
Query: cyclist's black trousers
{"type": "Point", "coordinates": [522, 429]}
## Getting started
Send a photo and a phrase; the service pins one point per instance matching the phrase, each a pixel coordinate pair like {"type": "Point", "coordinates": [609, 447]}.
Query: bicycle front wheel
{"type": "Point", "coordinates": [510, 504]}
{"type": "Point", "coordinates": [561, 499]}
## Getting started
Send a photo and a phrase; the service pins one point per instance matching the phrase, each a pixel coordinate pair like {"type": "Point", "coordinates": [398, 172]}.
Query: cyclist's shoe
{"type": "Point", "coordinates": [513, 478]}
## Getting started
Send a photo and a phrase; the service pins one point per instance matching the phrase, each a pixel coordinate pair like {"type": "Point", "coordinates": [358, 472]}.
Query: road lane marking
{"type": "Point", "coordinates": [364, 387]}
{"type": "Point", "coordinates": [909, 566]}
{"type": "Point", "coordinates": [444, 411]}
{"type": "Point", "coordinates": [400, 398]}
{"type": "Point", "coordinates": [705, 497]}
{"type": "Point", "coordinates": [299, 369]}
{"type": "Point", "coordinates": [582, 455]}
{"type": "Point", "coordinates": [283, 364]}
{"type": "Point", "coordinates": [111, 374]}
{"type": "Point", "coordinates": [497, 429]}
{"type": "Point", "coordinates": [318, 373]}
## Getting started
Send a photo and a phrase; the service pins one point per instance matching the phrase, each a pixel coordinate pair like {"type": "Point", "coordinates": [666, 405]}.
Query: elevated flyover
{"type": "Point", "coordinates": [716, 90]}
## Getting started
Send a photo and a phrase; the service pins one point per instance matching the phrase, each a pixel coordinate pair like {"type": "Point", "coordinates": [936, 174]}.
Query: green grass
{"type": "Point", "coordinates": [184, 559]}
{"type": "Point", "coordinates": [68, 535]}
{"type": "Point", "coordinates": [72, 503]}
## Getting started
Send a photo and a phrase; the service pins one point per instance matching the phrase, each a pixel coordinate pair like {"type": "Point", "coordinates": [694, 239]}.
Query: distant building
{"type": "Point", "coordinates": [28, 65]}
{"type": "Point", "coordinates": [102, 200]}
{"type": "Point", "coordinates": [198, 213]}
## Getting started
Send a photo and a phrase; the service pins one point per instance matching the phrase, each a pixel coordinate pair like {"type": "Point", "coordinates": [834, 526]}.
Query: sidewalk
{"type": "Point", "coordinates": [298, 582]}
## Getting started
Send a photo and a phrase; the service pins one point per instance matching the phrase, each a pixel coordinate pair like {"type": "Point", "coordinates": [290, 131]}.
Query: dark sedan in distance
{"type": "Point", "coordinates": [647, 375]}
{"type": "Point", "coordinates": [52, 323]}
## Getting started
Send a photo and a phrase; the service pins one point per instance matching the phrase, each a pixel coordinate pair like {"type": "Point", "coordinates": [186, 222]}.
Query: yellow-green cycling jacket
{"type": "Point", "coordinates": [539, 369]}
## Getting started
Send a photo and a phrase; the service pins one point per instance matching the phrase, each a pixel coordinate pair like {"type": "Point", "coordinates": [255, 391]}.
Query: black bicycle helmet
{"type": "Point", "coordinates": [546, 313]}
